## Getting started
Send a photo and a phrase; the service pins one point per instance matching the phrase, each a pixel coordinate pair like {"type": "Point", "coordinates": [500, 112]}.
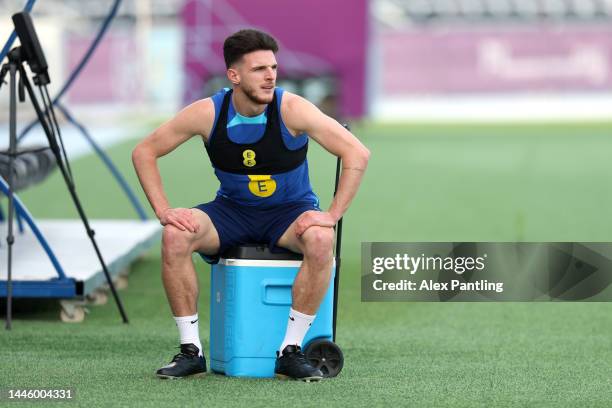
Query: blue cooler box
{"type": "Point", "coordinates": [250, 300]}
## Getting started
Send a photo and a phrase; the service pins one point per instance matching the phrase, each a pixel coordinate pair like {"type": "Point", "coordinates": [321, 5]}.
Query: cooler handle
{"type": "Point", "coordinates": [276, 292]}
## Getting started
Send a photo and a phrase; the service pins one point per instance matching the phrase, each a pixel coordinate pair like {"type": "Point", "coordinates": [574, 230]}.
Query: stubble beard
{"type": "Point", "coordinates": [251, 94]}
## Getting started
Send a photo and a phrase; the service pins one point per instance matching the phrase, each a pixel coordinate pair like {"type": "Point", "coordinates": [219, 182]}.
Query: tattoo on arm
{"type": "Point", "coordinates": [353, 168]}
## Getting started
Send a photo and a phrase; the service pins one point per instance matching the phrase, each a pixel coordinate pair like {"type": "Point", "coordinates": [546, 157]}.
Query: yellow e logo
{"type": "Point", "coordinates": [249, 158]}
{"type": "Point", "coordinates": [262, 186]}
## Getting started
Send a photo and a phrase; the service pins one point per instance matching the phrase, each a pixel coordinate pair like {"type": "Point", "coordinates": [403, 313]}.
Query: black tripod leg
{"type": "Point", "coordinates": [10, 239]}
{"type": "Point", "coordinates": [69, 182]}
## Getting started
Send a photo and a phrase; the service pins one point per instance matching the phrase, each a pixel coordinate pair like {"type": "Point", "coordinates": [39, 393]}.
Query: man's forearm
{"type": "Point", "coordinates": [150, 179]}
{"type": "Point", "coordinates": [352, 172]}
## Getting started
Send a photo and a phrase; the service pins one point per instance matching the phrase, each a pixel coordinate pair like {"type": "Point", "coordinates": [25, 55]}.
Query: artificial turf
{"type": "Point", "coordinates": [424, 183]}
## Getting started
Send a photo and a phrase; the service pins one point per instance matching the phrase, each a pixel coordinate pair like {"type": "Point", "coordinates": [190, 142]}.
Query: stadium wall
{"type": "Point", "coordinates": [536, 72]}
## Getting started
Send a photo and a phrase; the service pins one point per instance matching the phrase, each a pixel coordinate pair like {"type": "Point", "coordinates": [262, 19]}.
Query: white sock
{"type": "Point", "coordinates": [297, 326]}
{"type": "Point", "coordinates": [189, 330]}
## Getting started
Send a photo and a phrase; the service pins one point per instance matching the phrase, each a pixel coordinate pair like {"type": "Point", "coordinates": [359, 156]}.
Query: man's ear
{"type": "Point", "coordinates": [233, 76]}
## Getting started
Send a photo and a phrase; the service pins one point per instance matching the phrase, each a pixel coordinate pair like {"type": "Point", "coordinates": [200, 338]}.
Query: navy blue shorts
{"type": "Point", "coordinates": [239, 225]}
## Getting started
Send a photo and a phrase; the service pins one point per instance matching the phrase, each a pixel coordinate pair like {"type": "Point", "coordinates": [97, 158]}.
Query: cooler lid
{"type": "Point", "coordinates": [260, 252]}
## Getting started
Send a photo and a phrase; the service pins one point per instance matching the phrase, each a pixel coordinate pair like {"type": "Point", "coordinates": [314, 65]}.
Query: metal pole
{"type": "Point", "coordinates": [338, 249]}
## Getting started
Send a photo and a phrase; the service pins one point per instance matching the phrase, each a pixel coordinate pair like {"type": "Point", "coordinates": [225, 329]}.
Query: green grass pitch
{"type": "Point", "coordinates": [425, 183]}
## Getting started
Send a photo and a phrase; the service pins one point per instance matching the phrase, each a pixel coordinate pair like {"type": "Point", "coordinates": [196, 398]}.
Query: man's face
{"type": "Point", "coordinates": [256, 75]}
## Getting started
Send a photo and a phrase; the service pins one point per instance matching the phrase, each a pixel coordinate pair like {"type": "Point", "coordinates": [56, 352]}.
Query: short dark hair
{"type": "Point", "coordinates": [245, 41]}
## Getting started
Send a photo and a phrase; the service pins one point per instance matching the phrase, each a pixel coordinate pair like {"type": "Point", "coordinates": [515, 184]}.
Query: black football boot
{"type": "Point", "coordinates": [185, 364]}
{"type": "Point", "coordinates": [294, 365]}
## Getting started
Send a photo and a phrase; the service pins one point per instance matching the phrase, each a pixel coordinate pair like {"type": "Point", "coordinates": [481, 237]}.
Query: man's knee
{"type": "Point", "coordinates": [318, 243]}
{"type": "Point", "coordinates": [176, 242]}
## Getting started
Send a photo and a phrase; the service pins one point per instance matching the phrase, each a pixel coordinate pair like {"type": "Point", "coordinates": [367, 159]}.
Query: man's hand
{"type": "Point", "coordinates": [181, 218]}
{"type": "Point", "coordinates": [310, 218]}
